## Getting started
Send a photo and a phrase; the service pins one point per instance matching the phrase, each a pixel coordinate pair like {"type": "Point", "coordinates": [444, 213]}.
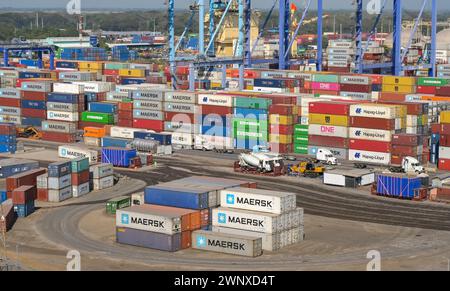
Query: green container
{"type": "Point", "coordinates": [434, 82]}
{"type": "Point", "coordinates": [116, 66]}
{"type": "Point", "coordinates": [252, 103]}
{"type": "Point", "coordinates": [103, 118]}
{"type": "Point", "coordinates": [303, 140]}
{"type": "Point", "coordinates": [301, 130]}
{"type": "Point", "coordinates": [246, 128]}
{"type": "Point", "coordinates": [117, 203]}
{"type": "Point", "coordinates": [80, 165]}
{"type": "Point", "coordinates": [323, 78]}
{"type": "Point", "coordinates": [300, 149]}
{"type": "Point", "coordinates": [250, 134]}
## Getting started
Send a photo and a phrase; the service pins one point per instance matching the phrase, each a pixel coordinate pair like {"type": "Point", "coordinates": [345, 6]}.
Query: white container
{"type": "Point", "coordinates": [180, 126]}
{"type": "Point", "coordinates": [101, 170]}
{"type": "Point", "coordinates": [369, 157]}
{"type": "Point", "coordinates": [63, 116]}
{"type": "Point", "coordinates": [227, 243]}
{"type": "Point", "coordinates": [68, 88]}
{"type": "Point", "coordinates": [55, 183]}
{"type": "Point", "coordinates": [116, 96]}
{"type": "Point", "coordinates": [37, 86]}
{"type": "Point", "coordinates": [14, 119]}
{"type": "Point", "coordinates": [124, 132]}
{"type": "Point", "coordinates": [247, 220]}
{"type": "Point", "coordinates": [65, 107]}
{"type": "Point", "coordinates": [328, 130]}
{"type": "Point", "coordinates": [59, 126]}
{"type": "Point", "coordinates": [356, 95]}
{"type": "Point", "coordinates": [216, 100]}
{"type": "Point", "coordinates": [96, 87]}
{"type": "Point", "coordinates": [42, 181]}
{"type": "Point", "coordinates": [103, 183]}
{"type": "Point", "coordinates": [355, 80]}
{"type": "Point", "coordinates": [92, 141]}
{"type": "Point", "coordinates": [180, 97]}
{"type": "Point", "coordinates": [444, 152]}
{"type": "Point", "coordinates": [60, 195]}
{"type": "Point", "coordinates": [373, 110]}
{"type": "Point", "coordinates": [182, 139]}
{"type": "Point", "coordinates": [258, 200]}
{"type": "Point", "coordinates": [147, 219]}
{"type": "Point", "coordinates": [180, 107]}
{"type": "Point", "coordinates": [6, 110]}
{"type": "Point", "coordinates": [370, 134]}
{"type": "Point", "coordinates": [80, 190]}
{"type": "Point", "coordinates": [148, 114]}
{"type": "Point", "coordinates": [147, 94]}
{"type": "Point", "coordinates": [148, 105]}
{"type": "Point", "coordinates": [10, 93]}
{"type": "Point", "coordinates": [74, 152]}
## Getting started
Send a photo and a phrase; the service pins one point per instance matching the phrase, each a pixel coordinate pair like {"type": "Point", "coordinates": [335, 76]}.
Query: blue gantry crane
{"type": "Point", "coordinates": [25, 47]}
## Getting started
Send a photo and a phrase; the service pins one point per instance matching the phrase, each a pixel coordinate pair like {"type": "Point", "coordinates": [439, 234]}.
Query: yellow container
{"type": "Point", "coordinates": [132, 73]}
{"type": "Point", "coordinates": [281, 138]}
{"type": "Point", "coordinates": [404, 89]}
{"type": "Point", "coordinates": [327, 119]}
{"type": "Point", "coordinates": [401, 111]}
{"type": "Point", "coordinates": [90, 65]}
{"type": "Point", "coordinates": [249, 87]}
{"type": "Point", "coordinates": [445, 117]}
{"type": "Point", "coordinates": [295, 109]}
{"type": "Point", "coordinates": [401, 81]}
{"type": "Point", "coordinates": [281, 119]}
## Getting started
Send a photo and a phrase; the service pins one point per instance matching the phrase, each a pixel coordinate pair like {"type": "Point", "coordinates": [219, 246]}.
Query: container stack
{"type": "Point", "coordinates": [275, 219]}
{"type": "Point", "coordinates": [90, 54]}
{"type": "Point", "coordinates": [282, 118]}
{"type": "Point", "coordinates": [340, 54]}
{"type": "Point", "coordinates": [329, 128]}
{"type": "Point", "coordinates": [92, 136]}
{"type": "Point", "coordinates": [59, 181]}
{"type": "Point", "coordinates": [28, 178]}
{"type": "Point", "coordinates": [323, 84]}
{"type": "Point", "coordinates": [42, 187]}
{"type": "Point", "coordinates": [301, 139]}
{"type": "Point", "coordinates": [80, 177]}
{"type": "Point", "coordinates": [444, 141]}
{"type": "Point", "coordinates": [125, 113]}
{"type": "Point", "coordinates": [33, 102]}
{"type": "Point", "coordinates": [7, 215]}
{"type": "Point", "coordinates": [23, 199]}
{"type": "Point", "coordinates": [8, 138]}
{"type": "Point", "coordinates": [101, 176]}
{"type": "Point", "coordinates": [406, 145]}
{"type": "Point", "coordinates": [184, 105]}
{"type": "Point", "coordinates": [148, 110]}
{"type": "Point", "coordinates": [356, 87]}
{"type": "Point", "coordinates": [250, 122]}
{"type": "Point", "coordinates": [10, 105]}
{"type": "Point", "coordinates": [100, 114]}
{"type": "Point", "coordinates": [402, 85]}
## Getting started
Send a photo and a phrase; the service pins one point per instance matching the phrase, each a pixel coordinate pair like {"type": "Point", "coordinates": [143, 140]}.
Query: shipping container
{"type": "Point", "coordinates": [153, 240]}
{"type": "Point", "coordinates": [62, 116]}
{"type": "Point", "coordinates": [117, 203]}
{"type": "Point", "coordinates": [401, 186]}
{"type": "Point", "coordinates": [7, 215]}
{"type": "Point", "coordinates": [176, 197]}
{"type": "Point", "coordinates": [10, 167]}
{"type": "Point", "coordinates": [59, 169]}
{"type": "Point", "coordinates": [60, 195]}
{"type": "Point", "coordinates": [80, 190]}
{"type": "Point", "coordinates": [80, 178]}
{"type": "Point", "coordinates": [370, 134]}
{"type": "Point", "coordinates": [103, 183]}
{"type": "Point", "coordinates": [27, 178]}
{"type": "Point", "coordinates": [24, 210]}
{"type": "Point", "coordinates": [101, 170]}
{"type": "Point", "coordinates": [369, 157]}
{"type": "Point", "coordinates": [75, 152]}
{"type": "Point", "coordinates": [24, 194]}
{"type": "Point", "coordinates": [56, 126]}
{"type": "Point", "coordinates": [97, 117]}
{"type": "Point", "coordinates": [57, 183]}
{"type": "Point", "coordinates": [119, 157]}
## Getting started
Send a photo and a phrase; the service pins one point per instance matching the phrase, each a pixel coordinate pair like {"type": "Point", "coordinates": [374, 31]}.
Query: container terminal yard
{"type": "Point", "coordinates": [232, 142]}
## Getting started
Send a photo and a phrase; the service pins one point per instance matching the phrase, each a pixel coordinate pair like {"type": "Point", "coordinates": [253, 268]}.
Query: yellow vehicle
{"type": "Point", "coordinates": [307, 169]}
{"type": "Point", "coordinates": [29, 132]}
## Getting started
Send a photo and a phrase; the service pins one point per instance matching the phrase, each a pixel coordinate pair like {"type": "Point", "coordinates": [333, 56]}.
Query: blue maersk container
{"type": "Point", "coordinates": [176, 197]}
{"type": "Point", "coordinates": [32, 121]}
{"type": "Point", "coordinates": [59, 169]}
{"type": "Point", "coordinates": [63, 98]}
{"type": "Point", "coordinates": [163, 138]}
{"type": "Point", "coordinates": [398, 186]}
{"type": "Point", "coordinates": [118, 157]}
{"type": "Point", "coordinates": [102, 107]}
{"type": "Point", "coordinates": [115, 142]}
{"type": "Point", "coordinates": [258, 114]}
{"type": "Point", "coordinates": [24, 210]}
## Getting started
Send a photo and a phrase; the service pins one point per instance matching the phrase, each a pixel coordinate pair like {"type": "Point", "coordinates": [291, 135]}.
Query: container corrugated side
{"type": "Point", "coordinates": [169, 196]}
{"type": "Point", "coordinates": [153, 240]}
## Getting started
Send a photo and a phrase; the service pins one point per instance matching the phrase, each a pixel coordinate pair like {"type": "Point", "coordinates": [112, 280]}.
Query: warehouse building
{"type": "Point", "coordinates": [349, 177]}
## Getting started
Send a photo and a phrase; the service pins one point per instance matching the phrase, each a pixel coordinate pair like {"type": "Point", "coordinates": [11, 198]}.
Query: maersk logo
{"type": "Point", "coordinates": [52, 115]}
{"type": "Point", "coordinates": [357, 155]}
{"type": "Point", "coordinates": [358, 133]}
{"type": "Point", "coordinates": [125, 219]}
{"type": "Point", "coordinates": [201, 241]}
{"type": "Point", "coordinates": [64, 152]}
{"type": "Point", "coordinates": [358, 110]}
{"type": "Point", "coordinates": [222, 217]}
{"type": "Point", "coordinates": [230, 199]}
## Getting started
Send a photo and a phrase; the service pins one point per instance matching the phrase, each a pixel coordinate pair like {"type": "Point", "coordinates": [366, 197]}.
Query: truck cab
{"type": "Point", "coordinates": [412, 165]}
{"type": "Point", "coordinates": [326, 156]}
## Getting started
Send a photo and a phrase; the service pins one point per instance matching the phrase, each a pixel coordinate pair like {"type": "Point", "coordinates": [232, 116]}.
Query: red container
{"type": "Point", "coordinates": [187, 118]}
{"type": "Point", "coordinates": [328, 141]}
{"type": "Point", "coordinates": [281, 148]}
{"type": "Point", "coordinates": [369, 145]}
{"type": "Point", "coordinates": [125, 106]}
{"type": "Point", "coordinates": [435, 128]}
{"type": "Point", "coordinates": [444, 164]}
{"type": "Point", "coordinates": [404, 150]}
{"type": "Point", "coordinates": [155, 125]}
{"type": "Point", "coordinates": [59, 137]}
{"type": "Point", "coordinates": [22, 179]}
{"type": "Point", "coordinates": [80, 178]}
{"type": "Point", "coordinates": [443, 91]}
{"type": "Point", "coordinates": [42, 195]}
{"type": "Point", "coordinates": [34, 96]}
{"type": "Point", "coordinates": [281, 109]}
{"type": "Point", "coordinates": [329, 107]}
{"type": "Point", "coordinates": [397, 159]}
{"type": "Point", "coordinates": [220, 110]}
{"type": "Point", "coordinates": [281, 129]}
{"type": "Point", "coordinates": [11, 102]}
{"type": "Point", "coordinates": [83, 124]}
{"type": "Point", "coordinates": [411, 108]}
{"type": "Point", "coordinates": [387, 96]}
{"type": "Point", "coordinates": [125, 114]}
{"type": "Point", "coordinates": [372, 123]}
{"type": "Point", "coordinates": [445, 140]}
{"type": "Point", "coordinates": [125, 122]}
{"type": "Point", "coordinates": [405, 139]}
{"type": "Point", "coordinates": [325, 92]}
{"type": "Point", "coordinates": [37, 113]}
{"type": "Point", "coordinates": [111, 72]}
{"type": "Point", "coordinates": [24, 194]}
{"type": "Point", "coordinates": [426, 90]}
{"type": "Point", "coordinates": [356, 88]}
{"type": "Point", "coordinates": [7, 129]}
{"type": "Point", "coordinates": [280, 99]}
{"type": "Point", "coordinates": [444, 128]}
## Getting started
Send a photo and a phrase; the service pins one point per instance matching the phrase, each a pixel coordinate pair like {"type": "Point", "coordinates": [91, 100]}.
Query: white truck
{"type": "Point", "coordinates": [203, 144]}
{"type": "Point", "coordinates": [326, 156]}
{"type": "Point", "coordinates": [409, 165]}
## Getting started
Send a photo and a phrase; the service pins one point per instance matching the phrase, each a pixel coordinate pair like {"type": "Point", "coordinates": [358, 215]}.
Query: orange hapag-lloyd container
{"type": "Point", "coordinates": [96, 132]}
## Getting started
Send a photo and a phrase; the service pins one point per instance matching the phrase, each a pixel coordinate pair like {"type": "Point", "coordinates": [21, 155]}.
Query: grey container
{"type": "Point", "coordinates": [59, 126]}
{"type": "Point", "coordinates": [148, 114]}
{"type": "Point", "coordinates": [145, 145]}
{"type": "Point", "coordinates": [179, 107]}
{"type": "Point", "coordinates": [227, 243]}
{"type": "Point", "coordinates": [80, 190]}
{"type": "Point", "coordinates": [42, 181]}
{"type": "Point", "coordinates": [59, 169]}
{"type": "Point", "coordinates": [6, 110]}
{"type": "Point", "coordinates": [10, 167]}
{"type": "Point", "coordinates": [60, 195]}
{"type": "Point", "coordinates": [55, 183]}
{"type": "Point", "coordinates": [65, 107]}
{"type": "Point", "coordinates": [103, 183]}
{"type": "Point", "coordinates": [10, 93]}
{"type": "Point", "coordinates": [270, 242]}
{"type": "Point", "coordinates": [101, 170]}
{"type": "Point", "coordinates": [148, 105]}
{"type": "Point", "coordinates": [147, 239]}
